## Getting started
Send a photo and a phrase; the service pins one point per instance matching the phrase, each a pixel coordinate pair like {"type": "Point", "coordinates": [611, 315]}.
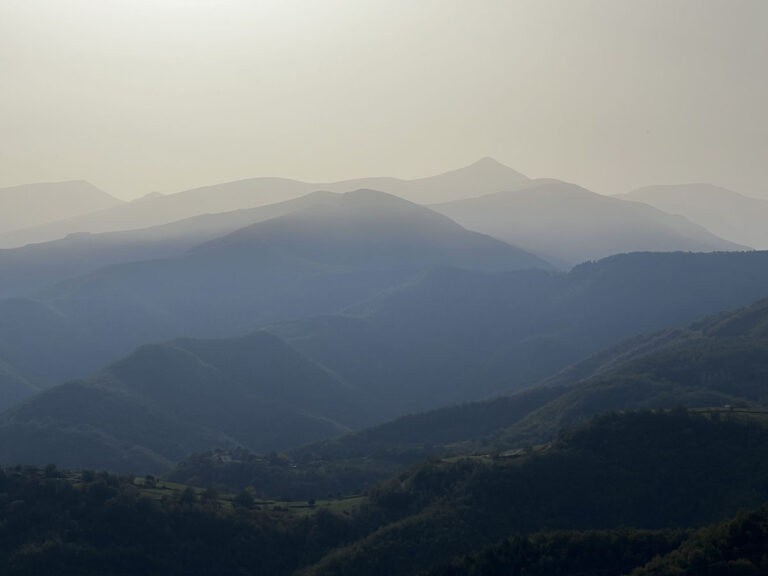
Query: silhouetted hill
{"type": "Point", "coordinates": [717, 361]}
{"type": "Point", "coordinates": [161, 209]}
{"type": "Point", "coordinates": [722, 360]}
{"type": "Point", "coordinates": [728, 214]}
{"type": "Point", "coordinates": [28, 269]}
{"type": "Point", "coordinates": [35, 204]}
{"type": "Point", "coordinates": [569, 224]}
{"type": "Point", "coordinates": [450, 337]}
{"type": "Point", "coordinates": [482, 177]}
{"type": "Point", "coordinates": [331, 251]}
{"type": "Point", "coordinates": [166, 401]}
{"type": "Point", "coordinates": [374, 230]}
{"type": "Point", "coordinates": [353, 462]}
{"type": "Point", "coordinates": [456, 336]}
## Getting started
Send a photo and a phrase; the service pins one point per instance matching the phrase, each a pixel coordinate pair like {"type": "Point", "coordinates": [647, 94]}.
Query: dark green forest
{"type": "Point", "coordinates": [636, 490]}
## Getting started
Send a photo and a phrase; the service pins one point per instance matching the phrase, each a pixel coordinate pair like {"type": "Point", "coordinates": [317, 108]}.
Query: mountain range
{"type": "Point", "coordinates": [477, 383]}
{"type": "Point", "coordinates": [331, 251]}
{"type": "Point", "coordinates": [482, 177]}
{"type": "Point", "coordinates": [568, 224]}
{"type": "Point", "coordinates": [728, 214]}
{"type": "Point", "coordinates": [562, 222]}
{"type": "Point", "coordinates": [31, 205]}
{"type": "Point", "coordinates": [167, 400]}
{"type": "Point", "coordinates": [450, 337]}
{"type": "Point", "coordinates": [28, 269]}
{"type": "Point", "coordinates": [717, 363]}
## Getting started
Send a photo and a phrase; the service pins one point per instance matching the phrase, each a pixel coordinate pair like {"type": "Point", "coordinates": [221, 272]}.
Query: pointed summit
{"type": "Point", "coordinates": [490, 167]}
{"type": "Point", "coordinates": [487, 161]}
{"type": "Point", "coordinates": [484, 176]}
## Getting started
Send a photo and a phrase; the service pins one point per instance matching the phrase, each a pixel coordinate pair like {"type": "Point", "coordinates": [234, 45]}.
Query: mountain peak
{"type": "Point", "coordinates": [486, 164]}
{"type": "Point", "coordinates": [487, 161]}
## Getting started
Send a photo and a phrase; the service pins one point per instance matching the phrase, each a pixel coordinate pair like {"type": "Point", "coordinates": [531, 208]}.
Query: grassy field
{"type": "Point", "coordinates": [159, 489]}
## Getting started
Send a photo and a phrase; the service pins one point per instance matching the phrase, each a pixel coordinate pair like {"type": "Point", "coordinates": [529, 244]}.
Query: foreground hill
{"type": "Point", "coordinates": [625, 492]}
{"type": "Point", "coordinates": [726, 213]}
{"type": "Point", "coordinates": [35, 204]}
{"type": "Point", "coordinates": [736, 546]}
{"type": "Point", "coordinates": [482, 177]}
{"type": "Point", "coordinates": [165, 401]}
{"type": "Point", "coordinates": [330, 251]}
{"type": "Point", "coordinates": [639, 470]}
{"type": "Point", "coordinates": [569, 224]}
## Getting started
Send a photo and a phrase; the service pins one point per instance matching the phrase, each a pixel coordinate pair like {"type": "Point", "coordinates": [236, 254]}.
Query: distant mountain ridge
{"type": "Point", "coordinates": [569, 224]}
{"type": "Point", "coordinates": [26, 270]}
{"type": "Point", "coordinates": [358, 224]}
{"type": "Point", "coordinates": [331, 252]}
{"type": "Point", "coordinates": [30, 205]}
{"type": "Point", "coordinates": [728, 214]}
{"type": "Point", "coordinates": [452, 336]}
{"type": "Point", "coordinates": [482, 177]}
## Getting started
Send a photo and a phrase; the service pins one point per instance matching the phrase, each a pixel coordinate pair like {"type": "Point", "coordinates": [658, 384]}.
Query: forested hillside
{"type": "Point", "coordinates": [624, 492]}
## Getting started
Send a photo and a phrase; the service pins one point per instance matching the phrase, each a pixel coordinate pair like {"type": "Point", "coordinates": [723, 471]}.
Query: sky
{"type": "Point", "coordinates": [138, 96]}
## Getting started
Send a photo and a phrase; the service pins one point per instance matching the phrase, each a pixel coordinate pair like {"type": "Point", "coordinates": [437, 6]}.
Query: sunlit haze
{"type": "Point", "coordinates": [138, 96]}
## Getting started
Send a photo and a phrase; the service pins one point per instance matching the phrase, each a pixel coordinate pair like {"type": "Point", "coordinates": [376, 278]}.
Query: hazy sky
{"type": "Point", "coordinates": [144, 95]}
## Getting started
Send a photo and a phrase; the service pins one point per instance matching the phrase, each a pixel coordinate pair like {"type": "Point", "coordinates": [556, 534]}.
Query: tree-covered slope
{"type": "Point", "coordinates": [639, 470]}
{"type": "Point", "coordinates": [95, 524]}
{"type": "Point", "coordinates": [721, 360]}
{"type": "Point", "coordinates": [737, 546]}
{"type": "Point", "coordinates": [355, 461]}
